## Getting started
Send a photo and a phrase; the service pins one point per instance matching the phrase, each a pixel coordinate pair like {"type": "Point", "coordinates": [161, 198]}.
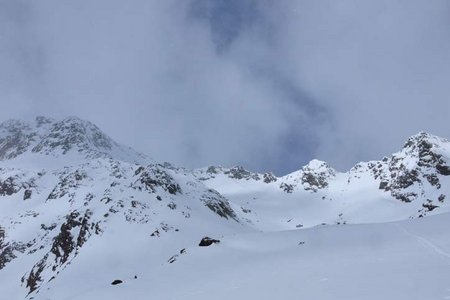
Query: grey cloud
{"type": "Point", "coordinates": [151, 76]}
{"type": "Point", "coordinates": [266, 84]}
{"type": "Point", "coordinates": [380, 67]}
{"type": "Point", "coordinates": [20, 58]}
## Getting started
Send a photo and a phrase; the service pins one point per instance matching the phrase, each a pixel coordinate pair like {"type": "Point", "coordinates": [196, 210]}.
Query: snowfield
{"type": "Point", "coordinates": [79, 211]}
{"type": "Point", "coordinates": [399, 260]}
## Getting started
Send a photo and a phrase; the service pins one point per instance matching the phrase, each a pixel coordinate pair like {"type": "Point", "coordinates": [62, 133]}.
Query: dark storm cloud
{"type": "Point", "coordinates": [266, 84]}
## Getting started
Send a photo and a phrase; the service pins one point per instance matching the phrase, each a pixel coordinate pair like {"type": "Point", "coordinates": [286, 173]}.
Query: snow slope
{"type": "Point", "coordinates": [401, 260]}
{"type": "Point", "coordinates": [78, 210]}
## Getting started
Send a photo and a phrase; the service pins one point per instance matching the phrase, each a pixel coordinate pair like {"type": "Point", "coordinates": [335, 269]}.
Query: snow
{"type": "Point", "coordinates": [374, 261]}
{"type": "Point", "coordinates": [313, 234]}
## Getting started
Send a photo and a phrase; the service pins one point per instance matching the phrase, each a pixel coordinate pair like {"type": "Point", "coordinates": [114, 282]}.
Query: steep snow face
{"type": "Point", "coordinates": [237, 172]}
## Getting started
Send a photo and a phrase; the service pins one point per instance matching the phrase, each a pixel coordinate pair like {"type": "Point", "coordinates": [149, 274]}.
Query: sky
{"type": "Point", "coordinates": [268, 85]}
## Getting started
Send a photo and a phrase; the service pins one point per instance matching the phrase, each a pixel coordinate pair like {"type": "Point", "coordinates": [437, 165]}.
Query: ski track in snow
{"type": "Point", "coordinates": [427, 244]}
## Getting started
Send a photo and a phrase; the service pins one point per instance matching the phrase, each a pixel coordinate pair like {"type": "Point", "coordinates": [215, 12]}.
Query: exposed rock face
{"type": "Point", "coordinates": [64, 244]}
{"type": "Point", "coordinates": [15, 138]}
{"type": "Point", "coordinates": [72, 235]}
{"type": "Point", "coordinates": [237, 172]}
{"type": "Point", "coordinates": [407, 174]}
{"type": "Point", "coordinates": [174, 258]}
{"type": "Point", "coordinates": [15, 183]}
{"type": "Point", "coordinates": [9, 250]}
{"type": "Point", "coordinates": [241, 173]}
{"type": "Point", "coordinates": [67, 183]}
{"type": "Point", "coordinates": [269, 177]}
{"type": "Point", "coordinates": [218, 204]}
{"type": "Point", "coordinates": [316, 175]}
{"type": "Point", "coordinates": [8, 187]}
{"type": "Point", "coordinates": [288, 188]}
{"type": "Point", "coordinates": [34, 279]}
{"type": "Point", "coordinates": [154, 177]}
{"type": "Point", "coordinates": [27, 194]}
{"type": "Point", "coordinates": [312, 177]}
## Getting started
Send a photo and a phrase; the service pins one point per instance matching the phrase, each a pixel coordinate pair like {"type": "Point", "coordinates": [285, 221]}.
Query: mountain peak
{"type": "Point", "coordinates": [73, 133]}
{"type": "Point", "coordinates": [59, 137]}
{"type": "Point", "coordinates": [429, 150]}
{"type": "Point", "coordinates": [423, 140]}
{"type": "Point", "coordinates": [318, 166]}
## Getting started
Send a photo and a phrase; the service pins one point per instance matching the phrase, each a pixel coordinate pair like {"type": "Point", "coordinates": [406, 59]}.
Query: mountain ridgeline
{"type": "Point", "coordinates": [70, 195]}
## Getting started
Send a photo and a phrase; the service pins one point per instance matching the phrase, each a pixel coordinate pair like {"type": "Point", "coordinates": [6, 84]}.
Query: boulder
{"type": "Point", "coordinates": [206, 241]}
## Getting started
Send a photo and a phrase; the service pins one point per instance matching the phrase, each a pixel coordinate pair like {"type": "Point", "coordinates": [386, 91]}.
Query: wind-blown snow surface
{"type": "Point", "coordinates": [78, 210]}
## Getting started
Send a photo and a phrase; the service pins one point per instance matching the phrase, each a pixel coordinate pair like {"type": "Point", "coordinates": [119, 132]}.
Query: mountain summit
{"type": "Point", "coordinates": [54, 138]}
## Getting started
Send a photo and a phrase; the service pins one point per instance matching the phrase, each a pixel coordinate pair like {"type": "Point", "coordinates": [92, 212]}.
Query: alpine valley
{"type": "Point", "coordinates": [83, 217]}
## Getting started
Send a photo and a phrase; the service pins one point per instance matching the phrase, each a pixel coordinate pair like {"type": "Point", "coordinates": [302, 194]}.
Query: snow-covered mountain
{"type": "Point", "coordinates": [411, 183]}
{"type": "Point", "coordinates": [78, 211]}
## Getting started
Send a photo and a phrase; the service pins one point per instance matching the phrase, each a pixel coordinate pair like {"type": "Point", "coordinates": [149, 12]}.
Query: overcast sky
{"type": "Point", "coordinates": [268, 85]}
